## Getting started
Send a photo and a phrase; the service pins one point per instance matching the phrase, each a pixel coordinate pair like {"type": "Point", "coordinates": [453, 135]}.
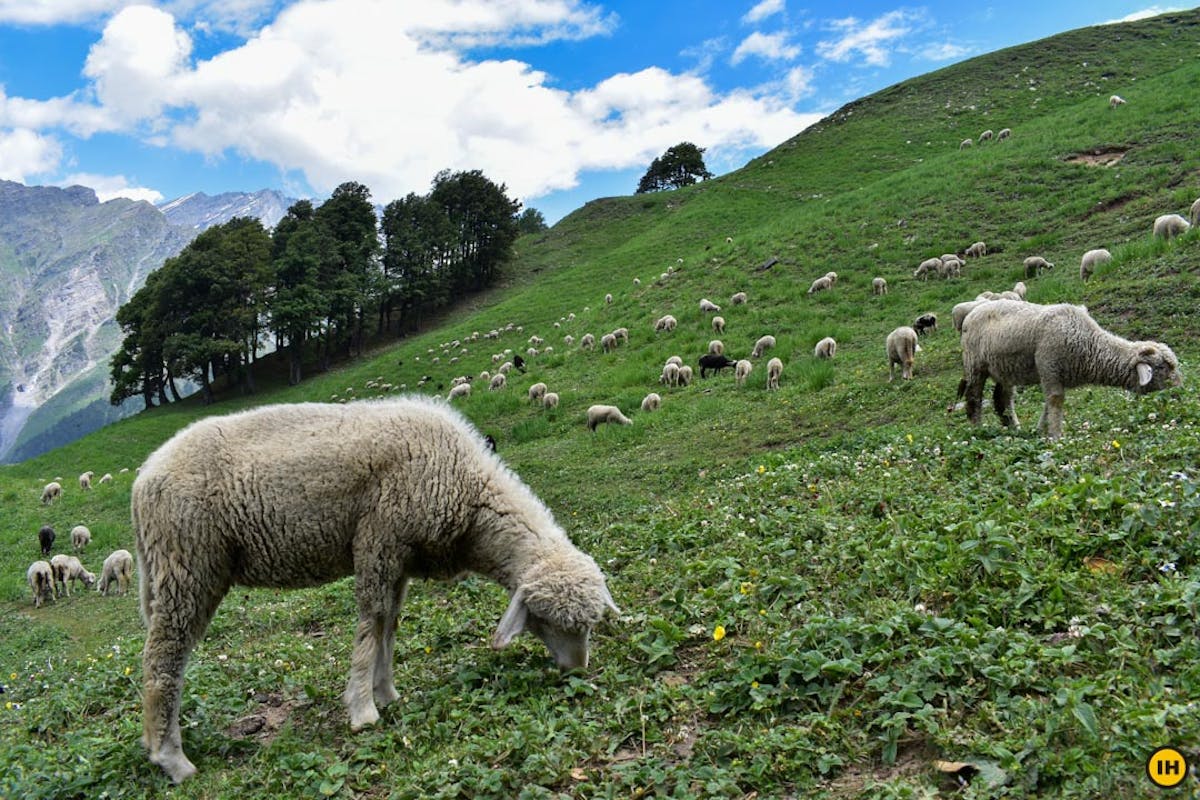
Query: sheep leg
{"type": "Point", "coordinates": [385, 684]}
{"type": "Point", "coordinates": [1002, 404]}
{"type": "Point", "coordinates": [378, 581]}
{"type": "Point", "coordinates": [974, 394]}
{"type": "Point", "coordinates": [1051, 422]}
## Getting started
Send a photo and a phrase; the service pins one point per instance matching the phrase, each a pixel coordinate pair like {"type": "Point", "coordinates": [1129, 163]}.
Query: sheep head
{"type": "Point", "coordinates": [1156, 367]}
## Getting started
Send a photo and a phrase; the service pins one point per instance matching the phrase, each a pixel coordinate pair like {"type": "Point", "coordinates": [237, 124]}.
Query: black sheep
{"type": "Point", "coordinates": [46, 538]}
{"type": "Point", "coordinates": [714, 362]}
{"type": "Point", "coordinates": [925, 323]}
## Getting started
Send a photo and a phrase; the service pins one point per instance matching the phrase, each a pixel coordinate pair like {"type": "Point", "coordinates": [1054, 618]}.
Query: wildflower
{"type": "Point", "coordinates": [1167, 568]}
{"type": "Point", "coordinates": [762, 612]}
{"type": "Point", "coordinates": [128, 670]}
{"type": "Point", "coordinates": [753, 684]}
{"type": "Point", "coordinates": [1116, 445]}
{"type": "Point", "coordinates": [761, 469]}
{"type": "Point", "coordinates": [8, 705]}
{"type": "Point", "coordinates": [718, 633]}
{"type": "Point", "coordinates": [908, 437]}
{"type": "Point", "coordinates": [758, 645]}
{"type": "Point", "coordinates": [12, 677]}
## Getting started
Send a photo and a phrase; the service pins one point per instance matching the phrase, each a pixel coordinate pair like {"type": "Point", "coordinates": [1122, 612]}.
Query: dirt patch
{"type": "Point", "coordinates": [265, 721]}
{"type": "Point", "coordinates": [1103, 157]}
{"type": "Point", "coordinates": [913, 759]}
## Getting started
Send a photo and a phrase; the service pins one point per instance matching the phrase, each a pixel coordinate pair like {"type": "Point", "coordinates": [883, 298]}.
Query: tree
{"type": "Point", "coordinates": [346, 282]}
{"type": "Point", "coordinates": [298, 248]}
{"type": "Point", "coordinates": [483, 221]}
{"type": "Point", "coordinates": [531, 221]}
{"type": "Point", "coordinates": [682, 165]}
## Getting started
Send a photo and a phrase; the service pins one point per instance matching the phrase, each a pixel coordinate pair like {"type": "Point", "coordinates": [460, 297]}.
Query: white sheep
{"type": "Point", "coordinates": [81, 537]}
{"type": "Point", "coordinates": [1169, 225]}
{"type": "Point", "coordinates": [409, 489]}
{"type": "Point", "coordinates": [85, 480]}
{"type": "Point", "coordinates": [106, 477]}
{"type": "Point", "coordinates": [826, 348]}
{"type": "Point", "coordinates": [537, 392]}
{"type": "Point", "coordinates": [608, 299]}
{"type": "Point", "coordinates": [774, 370]}
{"type": "Point", "coordinates": [986, 135]}
{"type": "Point", "coordinates": [879, 286]}
{"type": "Point", "coordinates": [550, 400]}
{"type": "Point", "coordinates": [708, 306]}
{"type": "Point", "coordinates": [568, 340]}
{"type": "Point", "coordinates": [608, 343]}
{"type": "Point", "coordinates": [637, 281]}
{"type": "Point", "coordinates": [821, 284]}
{"type": "Point", "coordinates": [600, 414]}
{"type": "Point", "coordinates": [961, 310]}
{"type": "Point", "coordinates": [763, 344]}
{"type": "Point", "coordinates": [118, 569]}
{"type": "Point", "coordinates": [676, 360]}
{"type": "Point", "coordinates": [622, 334]}
{"type": "Point", "coordinates": [718, 324]}
{"type": "Point", "coordinates": [651, 402]}
{"type": "Point", "coordinates": [832, 276]}
{"type": "Point", "coordinates": [1194, 212]}
{"type": "Point", "coordinates": [41, 581]}
{"type": "Point", "coordinates": [1020, 289]}
{"type": "Point", "coordinates": [1036, 265]}
{"type": "Point", "coordinates": [670, 374]}
{"type": "Point", "coordinates": [965, 143]}
{"type": "Point", "coordinates": [685, 375]}
{"type": "Point", "coordinates": [503, 369]}
{"type": "Point", "coordinates": [901, 349]}
{"type": "Point", "coordinates": [930, 266]}
{"type": "Point", "coordinates": [1092, 259]}
{"type": "Point", "coordinates": [1116, 100]}
{"type": "Point", "coordinates": [716, 347]}
{"type": "Point", "coordinates": [588, 342]}
{"type": "Point", "coordinates": [741, 371]}
{"type": "Point", "coordinates": [68, 570]}
{"type": "Point", "coordinates": [1058, 347]}
{"type": "Point", "coordinates": [976, 250]}
{"type": "Point", "coordinates": [460, 390]}
{"type": "Point", "coordinates": [950, 268]}
{"type": "Point", "coordinates": [51, 492]}
{"type": "Point", "coordinates": [1003, 134]}
{"type": "Point", "coordinates": [665, 323]}
{"type": "Point", "coordinates": [739, 298]}
{"type": "Point", "coordinates": [498, 382]}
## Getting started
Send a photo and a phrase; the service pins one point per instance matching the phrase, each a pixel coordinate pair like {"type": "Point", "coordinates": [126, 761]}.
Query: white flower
{"type": "Point", "coordinates": [1167, 568]}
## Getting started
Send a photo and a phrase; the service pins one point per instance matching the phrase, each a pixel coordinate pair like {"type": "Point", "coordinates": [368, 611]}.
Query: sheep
{"type": "Point", "coordinates": [637, 281]}
{"type": "Point", "coordinates": [716, 347]}
{"type": "Point", "coordinates": [741, 371]}
{"type": "Point", "coordinates": [976, 250]}
{"type": "Point", "coordinates": [670, 374]}
{"type": "Point", "coordinates": [1036, 265]}
{"type": "Point", "coordinates": [774, 370]}
{"type": "Point", "coordinates": [81, 537]}
{"type": "Point", "coordinates": [622, 334]}
{"type": "Point", "coordinates": [965, 143]}
{"type": "Point", "coordinates": [41, 580]}
{"type": "Point", "coordinates": [461, 390]}
{"type": "Point", "coordinates": [685, 375]}
{"type": "Point", "coordinates": [718, 324]}
{"type": "Point", "coordinates": [608, 343]}
{"type": "Point", "coordinates": [608, 299]}
{"type": "Point", "coordinates": [106, 478]}
{"type": "Point", "coordinates": [1169, 225]}
{"type": "Point", "coordinates": [51, 492]}
{"type": "Point", "coordinates": [550, 400]}
{"type": "Point", "coordinates": [46, 538]}
{"type": "Point", "coordinates": [588, 342]}
{"type": "Point", "coordinates": [878, 286]}
{"type": "Point", "coordinates": [118, 569]}
{"type": "Point", "coordinates": [409, 489]}
{"type": "Point", "coordinates": [651, 402]}
{"type": "Point", "coordinates": [925, 323]}
{"type": "Point", "coordinates": [676, 360]}
{"type": "Point", "coordinates": [713, 362]}
{"type": "Point", "coordinates": [986, 135]}
{"type": "Point", "coordinates": [901, 349]}
{"type": "Point", "coordinates": [1008, 294]}
{"type": "Point", "coordinates": [739, 298]}
{"type": "Point", "coordinates": [1116, 100]}
{"type": "Point", "coordinates": [832, 276]}
{"type": "Point", "coordinates": [600, 414]}
{"type": "Point", "coordinates": [665, 323]}
{"type": "Point", "coordinates": [1092, 259]}
{"type": "Point", "coordinates": [568, 340]}
{"type": "Point", "coordinates": [69, 569]}
{"type": "Point", "coordinates": [763, 344]}
{"type": "Point", "coordinates": [961, 311]}
{"type": "Point", "coordinates": [498, 382]}
{"type": "Point", "coordinates": [504, 369]}
{"type": "Point", "coordinates": [1020, 289]}
{"type": "Point", "coordinates": [537, 392]}
{"type": "Point", "coordinates": [927, 267]}
{"type": "Point", "coordinates": [1194, 212]}
{"type": "Point", "coordinates": [950, 268]}
{"type": "Point", "coordinates": [1003, 134]}
{"type": "Point", "coordinates": [1059, 347]}
{"type": "Point", "coordinates": [821, 284]}
{"type": "Point", "coordinates": [708, 306]}
{"type": "Point", "coordinates": [728, 240]}
{"type": "Point", "coordinates": [85, 480]}
{"type": "Point", "coordinates": [826, 348]}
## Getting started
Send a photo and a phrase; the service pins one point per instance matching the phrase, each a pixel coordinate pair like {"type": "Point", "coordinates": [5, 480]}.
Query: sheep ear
{"type": "Point", "coordinates": [608, 601]}
{"type": "Point", "coordinates": [1145, 373]}
{"type": "Point", "coordinates": [512, 624]}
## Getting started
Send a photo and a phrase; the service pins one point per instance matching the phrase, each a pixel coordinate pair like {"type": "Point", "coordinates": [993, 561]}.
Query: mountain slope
{"type": "Point", "coordinates": [199, 211]}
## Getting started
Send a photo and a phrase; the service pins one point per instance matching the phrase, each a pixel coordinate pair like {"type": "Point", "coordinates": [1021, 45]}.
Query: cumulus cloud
{"type": "Point", "coordinates": [1145, 13]}
{"type": "Point", "coordinates": [24, 153]}
{"type": "Point", "coordinates": [55, 12]}
{"type": "Point", "coordinates": [941, 51]}
{"type": "Point", "coordinates": [768, 46]}
{"type": "Point", "coordinates": [108, 187]}
{"type": "Point", "coordinates": [869, 40]}
{"type": "Point", "coordinates": [762, 10]}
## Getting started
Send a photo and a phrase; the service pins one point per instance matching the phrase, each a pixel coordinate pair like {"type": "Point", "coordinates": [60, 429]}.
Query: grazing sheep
{"type": "Point", "coordinates": [1059, 347]}
{"type": "Point", "coordinates": [608, 299]}
{"type": "Point", "coordinates": [950, 268]}
{"type": "Point", "coordinates": [1020, 289]}
{"type": "Point", "coordinates": [637, 281]}
{"type": "Point", "coordinates": [41, 580]}
{"type": "Point", "coordinates": [85, 480]}
{"type": "Point", "coordinates": [622, 334]}
{"type": "Point", "coordinates": [740, 297]}
{"type": "Point", "coordinates": [713, 362]}
{"type": "Point", "coordinates": [1116, 100]}
{"type": "Point", "coordinates": [718, 324]}
{"type": "Point", "coordinates": [821, 284]}
{"type": "Point", "coordinates": [1169, 225]}
{"type": "Point", "coordinates": [763, 344]}
{"type": "Point", "coordinates": [461, 390]}
{"type": "Point", "coordinates": [665, 323]}
{"type": "Point", "coordinates": [409, 489]}
{"type": "Point", "coordinates": [1194, 212]}
{"type": "Point", "coordinates": [741, 371]}
{"type": "Point", "coordinates": [670, 374]}
{"type": "Point", "coordinates": [498, 382]}
{"type": "Point", "coordinates": [568, 340]}
{"type": "Point", "coordinates": [676, 360]}
{"type": "Point", "coordinates": [51, 492]}
{"type": "Point", "coordinates": [46, 538]}
{"type": "Point", "coordinates": [519, 363]}
{"type": "Point", "coordinates": [774, 370]}
{"type": "Point", "coordinates": [588, 342]}
{"type": "Point", "coordinates": [550, 400]}
{"type": "Point", "coordinates": [505, 368]}
{"type": "Point", "coordinates": [901, 349]}
{"type": "Point", "coordinates": [728, 240]}
{"type": "Point", "coordinates": [716, 347]}
{"type": "Point", "coordinates": [925, 323]}
{"type": "Point", "coordinates": [81, 537]}
{"type": "Point", "coordinates": [708, 306]}
{"type": "Point", "coordinates": [965, 143]}
{"type": "Point", "coordinates": [685, 375]}
{"type": "Point", "coordinates": [68, 570]}
{"type": "Point", "coordinates": [930, 266]}
{"type": "Point", "coordinates": [961, 311]}
{"type": "Point", "coordinates": [826, 348]}
{"type": "Point", "coordinates": [1036, 265]}
{"type": "Point", "coordinates": [600, 414]}
{"type": "Point", "coordinates": [976, 250]}
{"type": "Point", "coordinates": [537, 392]}
{"type": "Point", "coordinates": [832, 276]}
{"type": "Point", "coordinates": [118, 570]}
{"type": "Point", "coordinates": [986, 135]}
{"type": "Point", "coordinates": [106, 477]}
{"type": "Point", "coordinates": [878, 286]}
{"type": "Point", "coordinates": [1003, 134]}
{"type": "Point", "coordinates": [608, 343]}
{"type": "Point", "coordinates": [651, 402]}
{"type": "Point", "coordinates": [1008, 295]}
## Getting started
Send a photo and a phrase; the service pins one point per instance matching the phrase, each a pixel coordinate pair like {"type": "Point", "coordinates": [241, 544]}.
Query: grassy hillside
{"type": "Point", "coordinates": [826, 589]}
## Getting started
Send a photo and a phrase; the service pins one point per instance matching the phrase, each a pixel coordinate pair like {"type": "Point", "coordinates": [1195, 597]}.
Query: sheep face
{"type": "Point", "coordinates": [1156, 368]}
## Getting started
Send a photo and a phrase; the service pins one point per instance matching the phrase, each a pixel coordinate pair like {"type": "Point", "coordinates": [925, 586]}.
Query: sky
{"type": "Point", "coordinates": [561, 101]}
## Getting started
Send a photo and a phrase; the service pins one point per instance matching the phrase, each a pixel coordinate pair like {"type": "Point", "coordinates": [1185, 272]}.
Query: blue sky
{"type": "Point", "coordinates": [562, 101]}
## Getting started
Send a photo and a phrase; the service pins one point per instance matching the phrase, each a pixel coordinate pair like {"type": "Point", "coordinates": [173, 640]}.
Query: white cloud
{"type": "Point", "coordinates": [109, 186]}
{"type": "Point", "coordinates": [24, 153]}
{"type": "Point", "coordinates": [1145, 13]}
{"type": "Point", "coordinates": [868, 40]}
{"type": "Point", "coordinates": [768, 46]}
{"type": "Point", "coordinates": [55, 12]}
{"type": "Point", "coordinates": [762, 10]}
{"type": "Point", "coordinates": [942, 51]}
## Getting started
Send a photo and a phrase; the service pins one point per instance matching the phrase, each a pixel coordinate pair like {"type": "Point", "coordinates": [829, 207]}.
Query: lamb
{"type": "Point", "coordinates": [550, 400]}
{"type": "Point", "coordinates": [716, 347]}
{"type": "Point", "coordinates": [81, 537]}
{"type": "Point", "coordinates": [51, 492]}
{"type": "Point", "coordinates": [670, 374]}
{"type": "Point", "coordinates": [718, 324]}
{"type": "Point", "coordinates": [832, 276]}
{"type": "Point", "coordinates": [118, 569]}
{"type": "Point", "coordinates": [41, 580]}
{"type": "Point", "coordinates": [977, 250]}
{"type": "Point", "coordinates": [826, 348]}
{"type": "Point", "coordinates": [68, 570]}
{"type": "Point", "coordinates": [927, 267]}
{"type": "Point", "coordinates": [965, 143]}
{"type": "Point", "coordinates": [1036, 265]}
{"type": "Point", "coordinates": [498, 382]}
{"type": "Point", "coordinates": [85, 480]}
{"type": "Point", "coordinates": [665, 323]}
{"type": "Point", "coordinates": [1020, 289]}
{"type": "Point", "coordinates": [741, 371]}
{"type": "Point", "coordinates": [461, 390]}
{"type": "Point", "coordinates": [713, 362]}
{"type": "Point", "coordinates": [1194, 212]}
{"type": "Point", "coordinates": [950, 268]}
{"type": "Point", "coordinates": [651, 402]}
{"type": "Point", "coordinates": [1003, 134]}
{"type": "Point", "coordinates": [821, 284]}
{"type": "Point", "coordinates": [1059, 347]}
{"type": "Point", "coordinates": [763, 344]}
{"type": "Point", "coordinates": [901, 349]}
{"type": "Point", "coordinates": [739, 298]}
{"type": "Point", "coordinates": [46, 538]}
{"type": "Point", "coordinates": [1116, 100]}
{"type": "Point", "coordinates": [537, 392]}
{"type": "Point", "coordinates": [986, 135]}
{"type": "Point", "coordinates": [961, 311]}
{"type": "Point", "coordinates": [410, 489]}
{"type": "Point", "coordinates": [608, 343]}
{"type": "Point", "coordinates": [707, 306]}
{"type": "Point", "coordinates": [878, 286]}
{"type": "Point", "coordinates": [774, 370]}
{"type": "Point", "coordinates": [925, 323]}
{"type": "Point", "coordinates": [588, 342]}
{"type": "Point", "coordinates": [685, 375]}
{"type": "Point", "coordinates": [1169, 225]}
{"type": "Point", "coordinates": [599, 415]}
{"type": "Point", "coordinates": [622, 334]}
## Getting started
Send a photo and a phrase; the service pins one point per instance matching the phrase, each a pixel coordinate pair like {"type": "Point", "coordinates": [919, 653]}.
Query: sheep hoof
{"type": "Point", "coordinates": [363, 718]}
{"type": "Point", "coordinates": [175, 764]}
{"type": "Point", "coordinates": [386, 695]}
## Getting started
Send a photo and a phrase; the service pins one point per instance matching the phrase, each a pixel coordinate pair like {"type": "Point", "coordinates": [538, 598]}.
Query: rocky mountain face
{"type": "Point", "coordinates": [67, 263]}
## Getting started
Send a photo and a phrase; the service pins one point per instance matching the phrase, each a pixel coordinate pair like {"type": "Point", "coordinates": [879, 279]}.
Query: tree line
{"type": "Point", "coordinates": [325, 279]}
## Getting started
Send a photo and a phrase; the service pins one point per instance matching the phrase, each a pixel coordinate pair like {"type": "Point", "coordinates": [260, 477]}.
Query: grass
{"type": "Point", "coordinates": [825, 589]}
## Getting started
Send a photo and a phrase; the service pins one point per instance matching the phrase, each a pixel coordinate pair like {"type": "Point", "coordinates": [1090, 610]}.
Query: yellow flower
{"type": "Point", "coordinates": [128, 670]}
{"type": "Point", "coordinates": [908, 436]}
{"type": "Point", "coordinates": [758, 645]}
{"type": "Point", "coordinates": [762, 612]}
{"type": "Point", "coordinates": [1116, 445]}
{"type": "Point", "coordinates": [718, 633]}
{"type": "Point", "coordinates": [12, 677]}
{"type": "Point", "coordinates": [761, 469]}
{"type": "Point", "coordinates": [8, 705]}
{"type": "Point", "coordinates": [753, 684]}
